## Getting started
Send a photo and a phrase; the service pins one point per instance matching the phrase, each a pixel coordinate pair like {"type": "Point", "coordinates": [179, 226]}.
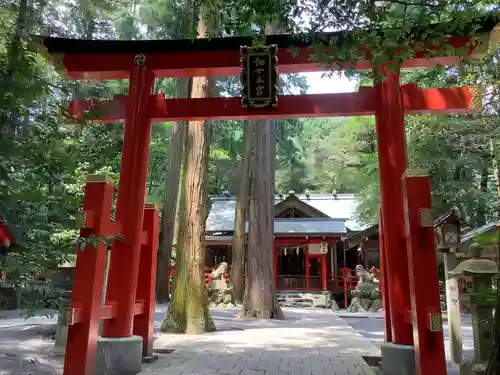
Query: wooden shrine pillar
{"type": "Point", "coordinates": [308, 271]}
{"type": "Point", "coordinates": [125, 254]}
{"type": "Point", "coordinates": [324, 276]}
{"type": "Point", "coordinates": [393, 161]}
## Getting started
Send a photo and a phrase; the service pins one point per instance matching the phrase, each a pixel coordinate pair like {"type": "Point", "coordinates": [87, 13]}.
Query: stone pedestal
{"type": "Point", "coordinates": [471, 368]}
{"type": "Point", "coordinates": [366, 295]}
{"type": "Point", "coordinates": [62, 325]}
{"type": "Point", "coordinates": [479, 273]}
{"type": "Point", "coordinates": [118, 356]}
{"type": "Point", "coordinates": [60, 339]}
{"type": "Point", "coordinates": [398, 359]}
{"type": "Point", "coordinates": [483, 325]}
{"type": "Point", "coordinates": [453, 308]}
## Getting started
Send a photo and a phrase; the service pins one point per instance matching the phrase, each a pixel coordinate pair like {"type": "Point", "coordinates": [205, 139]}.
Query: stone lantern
{"type": "Point", "coordinates": [479, 279]}
{"type": "Point", "coordinates": [447, 231]}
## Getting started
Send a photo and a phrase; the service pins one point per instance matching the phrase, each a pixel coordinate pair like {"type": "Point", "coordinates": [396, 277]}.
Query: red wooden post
{"type": "Point", "coordinates": [89, 279]}
{"type": "Point", "coordinates": [346, 281]}
{"type": "Point", "coordinates": [276, 250]}
{"type": "Point", "coordinates": [345, 273]}
{"type": "Point", "coordinates": [393, 161]}
{"type": "Point", "coordinates": [323, 273]}
{"type": "Point", "coordinates": [146, 283]}
{"type": "Point", "coordinates": [124, 266]}
{"type": "Point", "coordinates": [424, 284]}
{"type": "Point", "coordinates": [384, 287]}
{"type": "Point", "coordinates": [308, 276]}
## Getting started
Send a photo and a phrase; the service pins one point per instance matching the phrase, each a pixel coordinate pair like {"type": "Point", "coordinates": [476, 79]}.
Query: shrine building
{"type": "Point", "coordinates": [311, 251]}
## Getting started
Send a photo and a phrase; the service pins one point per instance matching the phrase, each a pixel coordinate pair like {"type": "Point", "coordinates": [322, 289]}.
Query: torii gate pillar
{"type": "Point", "coordinates": [125, 254]}
{"type": "Point", "coordinates": [128, 312]}
{"type": "Point", "coordinates": [398, 355]}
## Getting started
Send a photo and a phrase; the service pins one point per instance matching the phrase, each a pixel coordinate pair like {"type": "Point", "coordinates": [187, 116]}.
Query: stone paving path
{"type": "Point", "coordinates": [373, 329]}
{"type": "Point", "coordinates": [308, 342]}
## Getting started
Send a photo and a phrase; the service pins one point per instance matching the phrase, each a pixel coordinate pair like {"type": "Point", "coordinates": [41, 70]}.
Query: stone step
{"type": "Point", "coordinates": [307, 299]}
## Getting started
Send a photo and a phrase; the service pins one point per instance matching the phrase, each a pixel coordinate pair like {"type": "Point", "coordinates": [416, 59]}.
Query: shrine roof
{"type": "Point", "coordinates": [355, 238]}
{"type": "Point", "coordinates": [340, 208]}
{"type": "Point", "coordinates": [451, 216]}
{"type": "Point", "coordinates": [308, 226]}
{"type": "Point", "coordinates": [468, 237]}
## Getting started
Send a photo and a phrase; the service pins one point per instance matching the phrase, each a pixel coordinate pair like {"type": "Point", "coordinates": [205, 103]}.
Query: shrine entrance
{"type": "Point", "coordinates": [291, 267]}
{"type": "Point", "coordinates": [316, 276]}
{"type": "Point", "coordinates": [301, 263]}
{"type": "Point", "coordinates": [298, 269]}
{"type": "Point", "coordinates": [405, 222]}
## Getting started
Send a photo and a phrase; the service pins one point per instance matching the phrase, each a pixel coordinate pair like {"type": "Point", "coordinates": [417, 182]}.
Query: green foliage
{"type": "Point", "coordinates": [95, 240]}
{"type": "Point", "coordinates": [35, 203]}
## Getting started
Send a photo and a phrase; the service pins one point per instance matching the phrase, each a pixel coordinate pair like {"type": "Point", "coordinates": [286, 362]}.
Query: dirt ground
{"type": "Point", "coordinates": [27, 350]}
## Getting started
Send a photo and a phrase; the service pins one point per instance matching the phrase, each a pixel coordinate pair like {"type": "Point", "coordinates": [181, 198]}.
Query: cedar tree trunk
{"type": "Point", "coordinates": [188, 311]}
{"type": "Point", "coordinates": [260, 290]}
{"type": "Point", "coordinates": [239, 240]}
{"type": "Point", "coordinates": [174, 162]}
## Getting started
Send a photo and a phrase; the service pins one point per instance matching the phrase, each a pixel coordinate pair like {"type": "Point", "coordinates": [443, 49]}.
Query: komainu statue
{"type": "Point", "coordinates": [220, 272]}
{"type": "Point", "coordinates": [220, 292]}
{"type": "Point", "coordinates": [366, 295]}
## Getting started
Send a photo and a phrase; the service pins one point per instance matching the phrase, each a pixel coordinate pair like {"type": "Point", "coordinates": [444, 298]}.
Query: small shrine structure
{"type": "Point", "coordinates": [308, 234]}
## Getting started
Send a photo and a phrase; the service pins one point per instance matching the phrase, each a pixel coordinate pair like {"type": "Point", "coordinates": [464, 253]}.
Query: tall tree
{"type": "Point", "coordinates": [185, 21]}
{"type": "Point", "coordinates": [188, 311]}
{"type": "Point", "coordinates": [239, 239]}
{"type": "Point", "coordinates": [173, 172]}
{"type": "Point", "coordinates": [260, 299]}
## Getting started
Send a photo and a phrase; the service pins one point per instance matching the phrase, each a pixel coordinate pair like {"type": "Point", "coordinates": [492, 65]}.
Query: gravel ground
{"type": "Point", "coordinates": [373, 329]}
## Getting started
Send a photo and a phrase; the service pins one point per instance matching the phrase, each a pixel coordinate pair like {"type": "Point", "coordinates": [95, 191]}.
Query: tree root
{"type": "Point", "coordinates": [209, 323]}
{"type": "Point", "coordinates": [199, 326]}
{"type": "Point", "coordinates": [276, 313]}
{"type": "Point", "coordinates": [173, 323]}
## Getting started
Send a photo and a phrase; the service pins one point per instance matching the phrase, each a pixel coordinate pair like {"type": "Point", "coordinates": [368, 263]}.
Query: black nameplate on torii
{"type": "Point", "coordinates": [259, 76]}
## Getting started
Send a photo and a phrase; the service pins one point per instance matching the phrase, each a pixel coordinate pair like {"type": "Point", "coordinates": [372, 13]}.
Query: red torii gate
{"type": "Point", "coordinates": [143, 61]}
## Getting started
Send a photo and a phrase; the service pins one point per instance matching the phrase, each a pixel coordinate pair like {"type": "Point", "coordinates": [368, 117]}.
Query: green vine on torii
{"type": "Point", "coordinates": [393, 46]}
